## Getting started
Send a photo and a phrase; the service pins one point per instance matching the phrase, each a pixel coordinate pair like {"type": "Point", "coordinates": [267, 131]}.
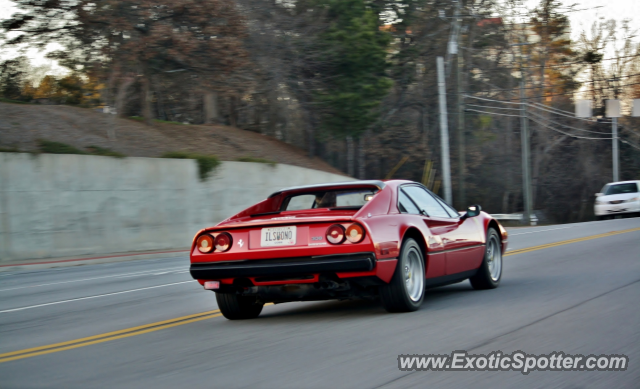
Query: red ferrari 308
{"type": "Point", "coordinates": [365, 239]}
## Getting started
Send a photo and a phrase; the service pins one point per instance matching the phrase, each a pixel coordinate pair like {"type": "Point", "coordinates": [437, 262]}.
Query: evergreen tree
{"type": "Point", "coordinates": [355, 53]}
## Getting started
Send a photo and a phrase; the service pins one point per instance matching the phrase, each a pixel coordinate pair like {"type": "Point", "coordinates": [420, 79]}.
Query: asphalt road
{"type": "Point", "coordinates": [578, 298]}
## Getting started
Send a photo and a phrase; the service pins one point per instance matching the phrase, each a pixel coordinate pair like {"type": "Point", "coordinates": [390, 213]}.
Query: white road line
{"type": "Point", "coordinates": [134, 274]}
{"type": "Point", "coordinates": [533, 232]}
{"type": "Point", "coordinates": [93, 297]}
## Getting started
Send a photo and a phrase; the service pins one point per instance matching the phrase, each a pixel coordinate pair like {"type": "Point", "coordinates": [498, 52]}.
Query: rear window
{"type": "Point", "coordinates": [630, 187]}
{"type": "Point", "coordinates": [343, 198]}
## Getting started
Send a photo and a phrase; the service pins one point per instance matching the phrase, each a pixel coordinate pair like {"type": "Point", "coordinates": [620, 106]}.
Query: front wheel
{"type": "Point", "coordinates": [236, 307]}
{"type": "Point", "coordinates": [490, 272]}
{"type": "Point", "coordinates": [405, 292]}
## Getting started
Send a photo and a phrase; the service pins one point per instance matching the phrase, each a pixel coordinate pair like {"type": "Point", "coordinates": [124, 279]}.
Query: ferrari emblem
{"type": "Point", "coordinates": [241, 243]}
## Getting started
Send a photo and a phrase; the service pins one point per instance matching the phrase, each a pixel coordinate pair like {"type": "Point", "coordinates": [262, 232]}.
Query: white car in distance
{"type": "Point", "coordinates": [618, 198]}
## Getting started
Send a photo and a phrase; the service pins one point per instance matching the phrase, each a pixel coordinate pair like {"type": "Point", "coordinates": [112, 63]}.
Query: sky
{"type": "Point", "coordinates": [580, 20]}
{"type": "Point", "coordinates": [592, 10]}
{"type": "Point", "coordinates": [37, 58]}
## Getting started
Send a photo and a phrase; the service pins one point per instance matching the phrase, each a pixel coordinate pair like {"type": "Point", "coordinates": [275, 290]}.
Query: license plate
{"type": "Point", "coordinates": [278, 236]}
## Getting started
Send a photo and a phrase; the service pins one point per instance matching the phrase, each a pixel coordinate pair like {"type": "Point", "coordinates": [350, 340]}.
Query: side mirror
{"type": "Point", "coordinates": [472, 211]}
{"type": "Point", "coordinates": [599, 194]}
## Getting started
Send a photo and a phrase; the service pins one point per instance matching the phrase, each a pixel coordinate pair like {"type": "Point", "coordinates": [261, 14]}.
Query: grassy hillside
{"type": "Point", "coordinates": [22, 125]}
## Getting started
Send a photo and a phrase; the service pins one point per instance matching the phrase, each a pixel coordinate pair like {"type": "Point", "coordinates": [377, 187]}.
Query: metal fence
{"type": "Point", "coordinates": [514, 216]}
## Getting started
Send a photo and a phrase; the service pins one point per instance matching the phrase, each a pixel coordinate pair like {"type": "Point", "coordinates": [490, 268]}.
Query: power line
{"type": "Point", "coordinates": [484, 106]}
{"type": "Point", "coordinates": [544, 125]}
{"type": "Point", "coordinates": [552, 108]}
{"type": "Point", "coordinates": [629, 143]}
{"type": "Point", "coordinates": [559, 124]}
{"type": "Point", "coordinates": [533, 113]}
{"type": "Point", "coordinates": [611, 79]}
{"type": "Point", "coordinates": [491, 113]}
{"type": "Point", "coordinates": [565, 133]}
{"type": "Point", "coordinates": [560, 131]}
{"type": "Point", "coordinates": [532, 105]}
{"type": "Point", "coordinates": [560, 94]}
{"type": "Point", "coordinates": [549, 65]}
{"type": "Point", "coordinates": [537, 96]}
{"type": "Point", "coordinates": [537, 105]}
{"type": "Point", "coordinates": [485, 99]}
{"type": "Point", "coordinates": [564, 125]}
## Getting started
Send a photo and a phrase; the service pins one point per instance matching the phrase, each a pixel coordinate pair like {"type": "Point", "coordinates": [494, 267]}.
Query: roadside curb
{"type": "Point", "coordinates": [77, 261]}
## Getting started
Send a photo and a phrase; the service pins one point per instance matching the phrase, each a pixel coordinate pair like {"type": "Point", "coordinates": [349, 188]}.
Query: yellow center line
{"type": "Point", "coordinates": [143, 329]}
{"type": "Point", "coordinates": [31, 352]}
{"type": "Point", "coordinates": [76, 345]}
{"type": "Point", "coordinates": [125, 333]}
{"type": "Point", "coordinates": [561, 243]}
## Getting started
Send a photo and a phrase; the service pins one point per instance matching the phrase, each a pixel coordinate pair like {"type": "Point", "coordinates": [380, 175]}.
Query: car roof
{"type": "Point", "coordinates": [377, 183]}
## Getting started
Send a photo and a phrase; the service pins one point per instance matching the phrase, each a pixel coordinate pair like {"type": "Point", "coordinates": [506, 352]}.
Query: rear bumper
{"type": "Point", "coordinates": [359, 262]}
{"type": "Point", "coordinates": [612, 209]}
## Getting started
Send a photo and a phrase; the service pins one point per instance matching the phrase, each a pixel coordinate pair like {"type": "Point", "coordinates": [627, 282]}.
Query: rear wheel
{"type": "Point", "coordinates": [490, 272]}
{"type": "Point", "coordinates": [236, 307]}
{"type": "Point", "coordinates": [405, 292]}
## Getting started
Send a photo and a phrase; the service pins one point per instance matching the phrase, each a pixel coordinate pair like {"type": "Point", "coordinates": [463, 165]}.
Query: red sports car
{"type": "Point", "coordinates": [365, 239]}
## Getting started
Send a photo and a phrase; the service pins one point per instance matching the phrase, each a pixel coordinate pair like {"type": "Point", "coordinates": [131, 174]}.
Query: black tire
{"type": "Point", "coordinates": [236, 307]}
{"type": "Point", "coordinates": [396, 295]}
{"type": "Point", "coordinates": [483, 278]}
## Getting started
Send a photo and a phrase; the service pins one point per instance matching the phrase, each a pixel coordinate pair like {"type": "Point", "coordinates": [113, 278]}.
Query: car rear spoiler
{"type": "Point", "coordinates": [336, 185]}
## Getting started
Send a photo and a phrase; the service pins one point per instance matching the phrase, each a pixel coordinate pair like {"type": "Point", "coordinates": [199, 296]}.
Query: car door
{"type": "Point", "coordinates": [462, 240]}
{"type": "Point", "coordinates": [436, 262]}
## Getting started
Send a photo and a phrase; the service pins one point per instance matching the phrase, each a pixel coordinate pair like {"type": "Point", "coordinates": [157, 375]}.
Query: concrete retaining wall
{"type": "Point", "coordinates": [67, 205]}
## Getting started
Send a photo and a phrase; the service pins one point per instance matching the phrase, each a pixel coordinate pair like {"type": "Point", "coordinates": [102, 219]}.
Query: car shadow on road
{"type": "Point", "coordinates": [333, 309]}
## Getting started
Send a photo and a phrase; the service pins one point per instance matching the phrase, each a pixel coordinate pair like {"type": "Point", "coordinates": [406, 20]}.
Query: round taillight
{"type": "Point", "coordinates": [335, 234]}
{"type": "Point", "coordinates": [205, 243]}
{"type": "Point", "coordinates": [223, 241]}
{"type": "Point", "coordinates": [355, 233]}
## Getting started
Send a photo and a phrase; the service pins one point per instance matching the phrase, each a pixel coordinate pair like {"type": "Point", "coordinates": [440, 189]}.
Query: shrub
{"type": "Point", "coordinates": [50, 147]}
{"type": "Point", "coordinates": [206, 163]}
{"type": "Point", "coordinates": [11, 101]}
{"type": "Point", "coordinates": [258, 160]}
{"type": "Point", "coordinates": [97, 150]}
